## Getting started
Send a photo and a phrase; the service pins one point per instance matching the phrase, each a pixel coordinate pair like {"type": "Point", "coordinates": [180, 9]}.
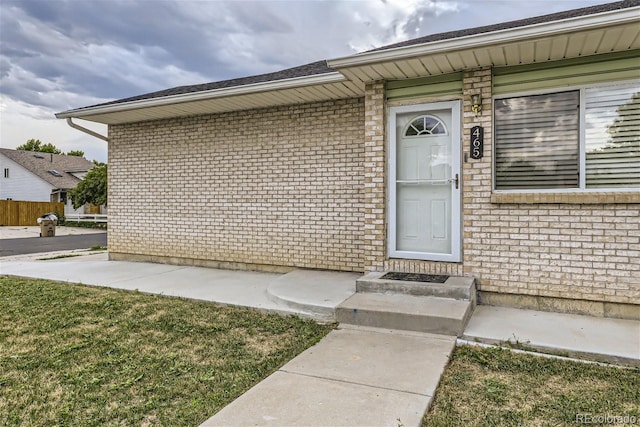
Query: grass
{"type": "Point", "coordinates": [496, 387]}
{"type": "Point", "coordinates": [58, 257]}
{"type": "Point", "coordinates": [84, 224]}
{"type": "Point", "coordinates": [84, 356]}
{"type": "Point", "coordinates": [95, 248]}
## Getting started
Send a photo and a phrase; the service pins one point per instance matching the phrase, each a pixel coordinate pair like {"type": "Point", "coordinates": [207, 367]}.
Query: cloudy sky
{"type": "Point", "coordinates": [61, 54]}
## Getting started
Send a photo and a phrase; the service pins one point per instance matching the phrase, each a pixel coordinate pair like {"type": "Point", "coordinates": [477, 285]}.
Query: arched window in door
{"type": "Point", "coordinates": [425, 125]}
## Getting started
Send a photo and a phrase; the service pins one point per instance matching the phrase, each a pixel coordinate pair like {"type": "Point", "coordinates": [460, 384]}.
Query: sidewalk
{"type": "Point", "coordinates": [292, 293]}
{"type": "Point", "coordinates": [594, 338]}
{"type": "Point", "coordinates": [354, 376]}
{"type": "Point", "coordinates": [26, 231]}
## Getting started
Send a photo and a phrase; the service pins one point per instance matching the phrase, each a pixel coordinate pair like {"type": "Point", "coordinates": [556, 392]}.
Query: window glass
{"type": "Point", "coordinates": [537, 141]}
{"type": "Point", "coordinates": [425, 125]}
{"type": "Point", "coordinates": [612, 136]}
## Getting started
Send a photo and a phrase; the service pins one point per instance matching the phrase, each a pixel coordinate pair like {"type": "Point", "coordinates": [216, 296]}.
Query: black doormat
{"type": "Point", "coordinates": [416, 277]}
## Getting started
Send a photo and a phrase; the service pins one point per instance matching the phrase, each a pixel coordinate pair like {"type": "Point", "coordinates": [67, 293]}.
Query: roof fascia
{"type": "Point", "coordinates": [325, 78]}
{"type": "Point", "coordinates": [545, 29]}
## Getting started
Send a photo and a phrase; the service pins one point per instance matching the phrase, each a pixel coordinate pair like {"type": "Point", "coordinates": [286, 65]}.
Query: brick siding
{"type": "Point", "coordinates": [374, 177]}
{"type": "Point", "coordinates": [574, 248]}
{"type": "Point", "coordinates": [305, 186]}
{"type": "Point", "coordinates": [280, 186]}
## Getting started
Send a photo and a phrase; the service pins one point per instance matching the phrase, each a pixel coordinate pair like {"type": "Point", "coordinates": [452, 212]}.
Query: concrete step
{"type": "Point", "coordinates": [455, 287]}
{"type": "Point", "coordinates": [437, 315]}
{"type": "Point", "coordinates": [312, 293]}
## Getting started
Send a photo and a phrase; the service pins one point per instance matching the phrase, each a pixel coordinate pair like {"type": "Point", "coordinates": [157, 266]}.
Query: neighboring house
{"type": "Point", "coordinates": [41, 177]}
{"type": "Point", "coordinates": [375, 162]}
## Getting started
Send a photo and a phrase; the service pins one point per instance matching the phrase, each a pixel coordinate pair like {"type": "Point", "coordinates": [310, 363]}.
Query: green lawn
{"type": "Point", "coordinates": [80, 356]}
{"type": "Point", "coordinates": [495, 387]}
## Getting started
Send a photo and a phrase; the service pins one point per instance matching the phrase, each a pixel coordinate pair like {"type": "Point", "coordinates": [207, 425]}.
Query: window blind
{"type": "Point", "coordinates": [612, 136]}
{"type": "Point", "coordinates": [537, 141]}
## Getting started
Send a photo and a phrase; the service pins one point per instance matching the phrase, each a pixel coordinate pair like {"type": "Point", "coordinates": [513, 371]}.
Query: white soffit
{"type": "Point", "coordinates": [613, 31]}
{"type": "Point", "coordinates": [590, 35]}
{"type": "Point", "coordinates": [260, 95]}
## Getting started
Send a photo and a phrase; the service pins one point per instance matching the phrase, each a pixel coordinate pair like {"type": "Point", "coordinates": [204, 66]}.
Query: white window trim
{"type": "Point", "coordinates": [456, 207]}
{"type": "Point", "coordinates": [581, 143]}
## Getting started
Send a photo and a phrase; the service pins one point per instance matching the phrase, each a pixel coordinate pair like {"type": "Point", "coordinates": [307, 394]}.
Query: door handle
{"type": "Point", "coordinates": [456, 180]}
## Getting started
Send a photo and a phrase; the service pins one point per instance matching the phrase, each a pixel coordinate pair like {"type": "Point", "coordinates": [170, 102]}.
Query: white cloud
{"type": "Point", "coordinates": [58, 55]}
{"type": "Point", "coordinates": [133, 67]}
{"type": "Point", "coordinates": [22, 121]}
{"type": "Point", "coordinates": [387, 22]}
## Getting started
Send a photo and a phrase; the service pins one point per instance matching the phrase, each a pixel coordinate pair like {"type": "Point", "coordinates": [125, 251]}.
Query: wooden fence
{"type": "Point", "coordinates": [18, 212]}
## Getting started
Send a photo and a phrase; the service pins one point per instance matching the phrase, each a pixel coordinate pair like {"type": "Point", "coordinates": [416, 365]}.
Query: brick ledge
{"type": "Point", "coordinates": [585, 198]}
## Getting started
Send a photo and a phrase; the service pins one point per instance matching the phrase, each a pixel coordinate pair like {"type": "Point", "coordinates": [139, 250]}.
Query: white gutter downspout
{"type": "Point", "coordinates": [85, 130]}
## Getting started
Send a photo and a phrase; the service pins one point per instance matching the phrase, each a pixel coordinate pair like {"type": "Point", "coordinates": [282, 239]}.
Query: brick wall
{"type": "Point", "coordinates": [569, 246]}
{"type": "Point", "coordinates": [304, 186]}
{"type": "Point", "coordinates": [575, 246]}
{"type": "Point", "coordinates": [279, 187]}
{"type": "Point", "coordinates": [374, 177]}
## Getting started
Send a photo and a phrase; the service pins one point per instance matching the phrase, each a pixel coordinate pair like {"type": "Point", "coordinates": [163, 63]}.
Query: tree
{"type": "Point", "coordinates": [37, 145]}
{"type": "Point", "coordinates": [78, 153]}
{"type": "Point", "coordinates": [92, 189]}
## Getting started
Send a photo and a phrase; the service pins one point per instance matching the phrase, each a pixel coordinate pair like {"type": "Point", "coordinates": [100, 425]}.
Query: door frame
{"type": "Point", "coordinates": [456, 214]}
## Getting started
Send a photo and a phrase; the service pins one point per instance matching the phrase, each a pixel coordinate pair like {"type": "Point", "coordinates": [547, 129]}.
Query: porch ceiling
{"type": "Point", "coordinates": [611, 31]}
{"type": "Point", "coordinates": [506, 48]}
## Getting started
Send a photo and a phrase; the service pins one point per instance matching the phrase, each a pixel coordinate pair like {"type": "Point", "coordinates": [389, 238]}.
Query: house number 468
{"type": "Point", "coordinates": [477, 142]}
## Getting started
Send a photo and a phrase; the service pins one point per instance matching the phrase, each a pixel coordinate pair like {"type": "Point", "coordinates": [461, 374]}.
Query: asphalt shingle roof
{"type": "Point", "coordinates": [559, 16]}
{"type": "Point", "coordinates": [312, 69]}
{"type": "Point", "coordinates": [41, 163]}
{"type": "Point", "coordinates": [321, 67]}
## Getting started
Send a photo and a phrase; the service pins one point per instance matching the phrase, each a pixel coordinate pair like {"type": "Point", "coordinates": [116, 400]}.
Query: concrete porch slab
{"type": "Point", "coordinates": [455, 287]}
{"type": "Point", "coordinates": [313, 291]}
{"type": "Point", "coordinates": [596, 338]}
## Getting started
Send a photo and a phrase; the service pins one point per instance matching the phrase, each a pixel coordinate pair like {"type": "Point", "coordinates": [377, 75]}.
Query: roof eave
{"type": "Point", "coordinates": [296, 82]}
{"type": "Point", "coordinates": [546, 29]}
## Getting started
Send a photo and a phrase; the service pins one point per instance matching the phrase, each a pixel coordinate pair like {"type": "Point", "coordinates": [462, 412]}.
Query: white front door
{"type": "Point", "coordinates": [424, 182]}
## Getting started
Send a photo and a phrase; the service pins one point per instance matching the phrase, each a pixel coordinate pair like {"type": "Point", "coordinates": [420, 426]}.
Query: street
{"type": "Point", "coordinates": [10, 247]}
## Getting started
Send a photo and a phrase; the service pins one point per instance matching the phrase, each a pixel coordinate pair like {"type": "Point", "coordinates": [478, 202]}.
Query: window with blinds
{"type": "Point", "coordinates": [612, 137]}
{"type": "Point", "coordinates": [539, 138]}
{"type": "Point", "coordinates": [537, 141]}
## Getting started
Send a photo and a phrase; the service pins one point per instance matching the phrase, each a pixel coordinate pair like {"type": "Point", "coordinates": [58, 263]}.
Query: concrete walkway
{"type": "Point", "coordinates": [354, 376]}
{"type": "Point", "coordinates": [594, 338]}
{"type": "Point", "coordinates": [292, 293]}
